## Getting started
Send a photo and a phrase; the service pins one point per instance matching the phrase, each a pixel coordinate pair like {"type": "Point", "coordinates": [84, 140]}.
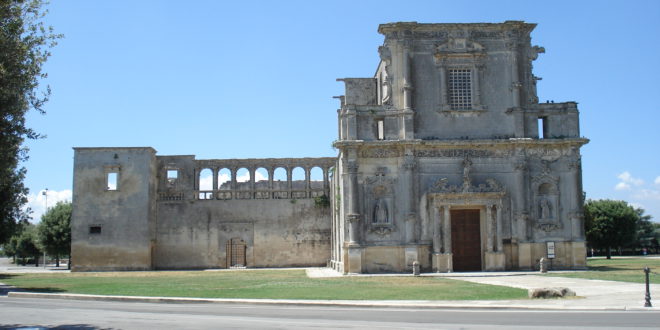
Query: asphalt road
{"type": "Point", "coordinates": [65, 314]}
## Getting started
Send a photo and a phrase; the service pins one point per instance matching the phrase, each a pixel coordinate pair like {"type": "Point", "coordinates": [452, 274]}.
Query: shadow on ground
{"type": "Point", "coordinates": [5, 289]}
{"type": "Point", "coordinates": [40, 327]}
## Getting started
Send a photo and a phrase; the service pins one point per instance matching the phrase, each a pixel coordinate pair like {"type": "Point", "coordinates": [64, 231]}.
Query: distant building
{"type": "Point", "coordinates": [446, 157]}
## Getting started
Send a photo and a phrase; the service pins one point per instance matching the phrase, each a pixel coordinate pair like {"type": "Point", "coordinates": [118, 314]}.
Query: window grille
{"type": "Point", "coordinates": [460, 89]}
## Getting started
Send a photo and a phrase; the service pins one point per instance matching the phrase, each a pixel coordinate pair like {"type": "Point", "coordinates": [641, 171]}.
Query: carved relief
{"type": "Point", "coordinates": [462, 153]}
{"type": "Point", "coordinates": [380, 153]}
{"type": "Point", "coordinates": [548, 154]}
{"type": "Point", "coordinates": [442, 186]}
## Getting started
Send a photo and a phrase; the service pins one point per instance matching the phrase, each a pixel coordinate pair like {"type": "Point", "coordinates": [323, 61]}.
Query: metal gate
{"type": "Point", "coordinates": [236, 253]}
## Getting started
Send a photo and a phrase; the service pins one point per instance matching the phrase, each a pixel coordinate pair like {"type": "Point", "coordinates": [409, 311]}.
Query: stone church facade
{"type": "Point", "coordinates": [446, 157]}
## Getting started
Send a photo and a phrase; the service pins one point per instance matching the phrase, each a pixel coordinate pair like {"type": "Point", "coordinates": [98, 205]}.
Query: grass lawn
{"type": "Point", "coordinates": [273, 284]}
{"type": "Point", "coordinates": [618, 269]}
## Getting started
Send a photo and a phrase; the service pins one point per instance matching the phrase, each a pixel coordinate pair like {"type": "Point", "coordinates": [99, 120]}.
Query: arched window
{"type": "Point", "coordinates": [298, 183]}
{"type": "Point", "coordinates": [205, 184]}
{"type": "Point", "coordinates": [280, 183]}
{"type": "Point", "coordinates": [261, 183]}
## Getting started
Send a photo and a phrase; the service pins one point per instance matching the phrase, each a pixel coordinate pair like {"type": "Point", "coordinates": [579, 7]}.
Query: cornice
{"type": "Point", "coordinates": [485, 143]}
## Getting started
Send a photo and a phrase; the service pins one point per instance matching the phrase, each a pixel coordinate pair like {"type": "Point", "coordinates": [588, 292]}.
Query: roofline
{"type": "Point", "coordinates": [399, 26]}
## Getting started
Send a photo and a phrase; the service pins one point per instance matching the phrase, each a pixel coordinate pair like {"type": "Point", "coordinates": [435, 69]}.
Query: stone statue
{"type": "Point", "coordinates": [467, 165]}
{"type": "Point", "coordinates": [545, 209]}
{"type": "Point", "coordinates": [380, 211]}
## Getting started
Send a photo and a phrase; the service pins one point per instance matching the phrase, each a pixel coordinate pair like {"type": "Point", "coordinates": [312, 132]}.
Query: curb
{"type": "Point", "coordinates": [482, 304]}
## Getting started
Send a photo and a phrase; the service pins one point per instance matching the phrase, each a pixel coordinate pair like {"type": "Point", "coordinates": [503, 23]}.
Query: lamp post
{"type": "Point", "coordinates": [45, 193]}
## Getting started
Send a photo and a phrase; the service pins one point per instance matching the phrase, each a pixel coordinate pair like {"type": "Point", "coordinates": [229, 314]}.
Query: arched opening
{"type": "Point", "coordinates": [298, 183]}
{"type": "Point", "coordinates": [280, 183]}
{"type": "Point", "coordinates": [316, 182]}
{"type": "Point", "coordinates": [243, 185]}
{"type": "Point", "coordinates": [261, 186]}
{"type": "Point", "coordinates": [224, 184]}
{"type": "Point", "coordinates": [205, 184]}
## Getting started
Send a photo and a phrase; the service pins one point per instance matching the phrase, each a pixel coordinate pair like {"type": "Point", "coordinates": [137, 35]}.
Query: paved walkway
{"type": "Point", "coordinates": [591, 294]}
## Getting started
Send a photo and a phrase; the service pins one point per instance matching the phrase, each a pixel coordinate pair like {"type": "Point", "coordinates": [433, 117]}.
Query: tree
{"type": "Point", "coordinates": [646, 235]}
{"type": "Point", "coordinates": [24, 48]}
{"type": "Point", "coordinates": [55, 230]}
{"type": "Point", "coordinates": [24, 244]}
{"type": "Point", "coordinates": [610, 224]}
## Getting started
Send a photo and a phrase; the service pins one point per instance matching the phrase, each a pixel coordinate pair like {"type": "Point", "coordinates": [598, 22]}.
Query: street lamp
{"type": "Point", "coordinates": [45, 193]}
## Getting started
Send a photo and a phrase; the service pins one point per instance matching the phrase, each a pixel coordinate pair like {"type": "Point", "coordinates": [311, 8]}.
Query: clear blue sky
{"type": "Point", "coordinates": [256, 78]}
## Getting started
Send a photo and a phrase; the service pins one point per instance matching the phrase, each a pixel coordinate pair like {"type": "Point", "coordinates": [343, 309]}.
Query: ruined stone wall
{"type": "Point", "coordinates": [112, 223]}
{"type": "Point", "coordinates": [156, 216]}
{"type": "Point", "coordinates": [277, 233]}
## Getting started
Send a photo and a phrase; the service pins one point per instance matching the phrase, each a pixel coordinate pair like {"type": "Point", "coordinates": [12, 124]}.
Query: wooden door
{"type": "Point", "coordinates": [466, 240]}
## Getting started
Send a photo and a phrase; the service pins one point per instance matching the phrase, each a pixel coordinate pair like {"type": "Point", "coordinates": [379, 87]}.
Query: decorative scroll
{"type": "Point", "coordinates": [462, 153]}
{"type": "Point", "coordinates": [442, 186]}
{"type": "Point", "coordinates": [380, 153]}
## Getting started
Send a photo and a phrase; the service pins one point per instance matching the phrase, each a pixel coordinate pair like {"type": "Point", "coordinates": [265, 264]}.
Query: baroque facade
{"type": "Point", "coordinates": [446, 157]}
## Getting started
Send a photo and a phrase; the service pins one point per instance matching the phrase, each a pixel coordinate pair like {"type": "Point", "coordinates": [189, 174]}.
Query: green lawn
{"type": "Point", "coordinates": [273, 284]}
{"type": "Point", "coordinates": [618, 269]}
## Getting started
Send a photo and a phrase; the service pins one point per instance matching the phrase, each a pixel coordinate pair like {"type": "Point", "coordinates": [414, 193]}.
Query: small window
{"type": "Point", "coordinates": [172, 175]}
{"type": "Point", "coordinates": [543, 127]}
{"type": "Point", "coordinates": [112, 179]}
{"type": "Point", "coordinates": [460, 89]}
{"type": "Point", "coordinates": [380, 129]}
{"type": "Point", "coordinates": [95, 230]}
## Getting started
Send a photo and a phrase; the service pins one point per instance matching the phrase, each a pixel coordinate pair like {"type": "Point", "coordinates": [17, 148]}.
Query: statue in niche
{"type": "Point", "coordinates": [380, 211]}
{"type": "Point", "coordinates": [467, 165]}
{"type": "Point", "coordinates": [545, 209]}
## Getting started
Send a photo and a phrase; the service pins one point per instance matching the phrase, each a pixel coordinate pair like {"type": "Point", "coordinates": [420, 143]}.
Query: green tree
{"type": "Point", "coordinates": [610, 224]}
{"type": "Point", "coordinates": [55, 230]}
{"type": "Point", "coordinates": [27, 245]}
{"type": "Point", "coordinates": [24, 48]}
{"type": "Point", "coordinates": [646, 236]}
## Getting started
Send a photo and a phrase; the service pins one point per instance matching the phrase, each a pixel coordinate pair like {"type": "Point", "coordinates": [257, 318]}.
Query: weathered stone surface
{"type": "Point", "coordinates": [451, 123]}
{"type": "Point", "coordinates": [448, 139]}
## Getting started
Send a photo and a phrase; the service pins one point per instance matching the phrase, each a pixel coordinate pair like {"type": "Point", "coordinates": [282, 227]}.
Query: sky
{"type": "Point", "coordinates": [255, 79]}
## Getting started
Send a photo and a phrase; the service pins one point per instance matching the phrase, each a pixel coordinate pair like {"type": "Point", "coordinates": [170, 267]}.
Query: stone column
{"type": "Point", "coordinates": [576, 215]}
{"type": "Point", "coordinates": [326, 182]}
{"type": "Point", "coordinates": [515, 78]}
{"type": "Point", "coordinates": [444, 99]}
{"type": "Point", "coordinates": [233, 178]}
{"type": "Point", "coordinates": [490, 232]}
{"type": "Point", "coordinates": [442, 256]}
{"type": "Point", "coordinates": [353, 215]}
{"type": "Point", "coordinates": [253, 188]}
{"type": "Point", "coordinates": [520, 198]}
{"type": "Point", "coordinates": [271, 173]}
{"type": "Point", "coordinates": [214, 186]}
{"type": "Point", "coordinates": [308, 185]}
{"type": "Point", "coordinates": [437, 230]}
{"type": "Point", "coordinates": [476, 86]}
{"type": "Point", "coordinates": [498, 231]}
{"type": "Point", "coordinates": [446, 232]}
{"type": "Point", "coordinates": [409, 164]}
{"type": "Point", "coordinates": [407, 81]}
{"type": "Point", "coordinates": [289, 181]}
{"type": "Point", "coordinates": [351, 124]}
